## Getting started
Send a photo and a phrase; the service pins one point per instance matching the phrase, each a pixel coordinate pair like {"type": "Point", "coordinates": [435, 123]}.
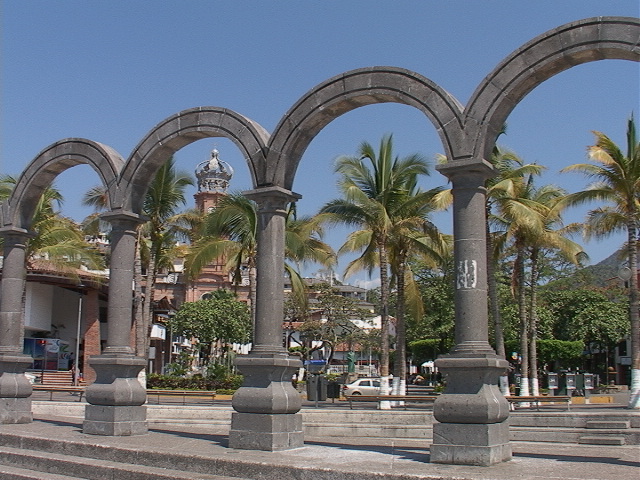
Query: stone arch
{"type": "Point", "coordinates": [180, 130]}
{"type": "Point", "coordinates": [49, 163]}
{"type": "Point", "coordinates": [538, 60]}
{"type": "Point", "coordinates": [346, 92]}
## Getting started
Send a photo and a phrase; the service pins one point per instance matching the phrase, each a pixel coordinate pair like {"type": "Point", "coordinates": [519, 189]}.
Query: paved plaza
{"type": "Point", "coordinates": [202, 448]}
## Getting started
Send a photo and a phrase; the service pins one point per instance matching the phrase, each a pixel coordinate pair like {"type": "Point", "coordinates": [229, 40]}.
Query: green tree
{"type": "Point", "coordinates": [336, 325]}
{"type": "Point", "coordinates": [617, 185]}
{"type": "Point", "coordinates": [437, 291]}
{"type": "Point", "coordinates": [588, 315]}
{"type": "Point", "coordinates": [217, 323]}
{"type": "Point", "coordinates": [374, 187]}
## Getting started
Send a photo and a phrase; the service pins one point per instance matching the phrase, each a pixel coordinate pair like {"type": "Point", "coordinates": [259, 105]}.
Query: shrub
{"type": "Point", "coordinates": [196, 382]}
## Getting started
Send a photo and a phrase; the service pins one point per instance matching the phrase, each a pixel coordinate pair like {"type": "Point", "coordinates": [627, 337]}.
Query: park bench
{"type": "Point", "coordinates": [182, 393]}
{"type": "Point", "coordinates": [79, 390]}
{"type": "Point", "coordinates": [538, 399]}
{"type": "Point", "coordinates": [391, 398]}
{"type": "Point", "coordinates": [72, 389]}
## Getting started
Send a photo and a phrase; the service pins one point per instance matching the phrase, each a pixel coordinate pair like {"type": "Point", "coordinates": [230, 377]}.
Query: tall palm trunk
{"type": "Point", "coordinates": [494, 304]}
{"type": "Point", "coordinates": [634, 314]}
{"type": "Point", "coordinates": [138, 299]}
{"type": "Point", "coordinates": [524, 324]}
{"type": "Point", "coordinates": [533, 325]}
{"type": "Point", "coordinates": [400, 367]}
{"type": "Point", "coordinates": [147, 308]}
{"type": "Point", "coordinates": [384, 324]}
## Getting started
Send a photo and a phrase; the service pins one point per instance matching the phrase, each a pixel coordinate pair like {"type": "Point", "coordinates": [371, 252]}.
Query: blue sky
{"type": "Point", "coordinates": [110, 71]}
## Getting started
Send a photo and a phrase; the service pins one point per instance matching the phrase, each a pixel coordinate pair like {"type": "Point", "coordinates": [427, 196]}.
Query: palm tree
{"type": "Point", "coordinates": [553, 238]}
{"type": "Point", "coordinates": [374, 186]}
{"type": "Point", "coordinates": [156, 238]}
{"type": "Point", "coordinates": [511, 171]}
{"type": "Point", "coordinates": [412, 236]}
{"type": "Point", "coordinates": [521, 219]}
{"type": "Point", "coordinates": [58, 240]}
{"type": "Point", "coordinates": [165, 194]}
{"type": "Point", "coordinates": [230, 232]}
{"type": "Point", "coordinates": [618, 184]}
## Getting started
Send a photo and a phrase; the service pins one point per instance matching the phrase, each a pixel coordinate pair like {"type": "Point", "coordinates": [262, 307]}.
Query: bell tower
{"type": "Point", "coordinates": [213, 180]}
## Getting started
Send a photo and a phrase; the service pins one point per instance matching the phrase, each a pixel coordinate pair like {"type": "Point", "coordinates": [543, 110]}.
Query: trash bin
{"type": "Point", "coordinates": [316, 388]}
{"type": "Point", "coordinates": [589, 382]}
{"type": "Point", "coordinates": [333, 389]}
{"type": "Point", "coordinates": [552, 383]}
{"type": "Point", "coordinates": [567, 384]}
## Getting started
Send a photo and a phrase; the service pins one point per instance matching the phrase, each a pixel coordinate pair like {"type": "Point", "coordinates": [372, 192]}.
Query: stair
{"type": "Point", "coordinates": [14, 473]}
{"type": "Point", "coordinates": [601, 440]}
{"type": "Point", "coordinates": [552, 427]}
{"type": "Point", "coordinates": [32, 464]}
{"type": "Point", "coordinates": [606, 436]}
{"type": "Point", "coordinates": [59, 378]}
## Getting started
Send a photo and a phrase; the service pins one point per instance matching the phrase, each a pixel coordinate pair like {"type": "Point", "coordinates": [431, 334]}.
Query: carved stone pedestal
{"type": "Point", "coordinates": [267, 405]}
{"type": "Point", "coordinates": [15, 389]}
{"type": "Point", "coordinates": [472, 412]}
{"type": "Point", "coordinates": [116, 398]}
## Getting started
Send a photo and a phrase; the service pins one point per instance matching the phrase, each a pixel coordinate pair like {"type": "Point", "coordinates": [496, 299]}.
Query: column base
{"type": "Point", "coordinates": [15, 410]}
{"type": "Point", "coordinates": [265, 431]}
{"type": "Point", "coordinates": [470, 444]}
{"type": "Point", "coordinates": [112, 420]}
{"type": "Point", "coordinates": [15, 389]}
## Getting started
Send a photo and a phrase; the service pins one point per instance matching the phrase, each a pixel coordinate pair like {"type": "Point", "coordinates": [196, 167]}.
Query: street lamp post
{"type": "Point", "coordinates": [76, 373]}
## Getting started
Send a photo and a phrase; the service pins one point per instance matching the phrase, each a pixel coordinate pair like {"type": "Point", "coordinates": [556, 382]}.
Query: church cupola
{"type": "Point", "coordinates": [214, 174]}
{"type": "Point", "coordinates": [213, 177]}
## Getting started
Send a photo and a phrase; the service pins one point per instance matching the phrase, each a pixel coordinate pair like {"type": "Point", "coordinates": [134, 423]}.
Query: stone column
{"type": "Point", "coordinates": [15, 389]}
{"type": "Point", "coordinates": [266, 406]}
{"type": "Point", "coordinates": [116, 398]}
{"type": "Point", "coordinates": [472, 413]}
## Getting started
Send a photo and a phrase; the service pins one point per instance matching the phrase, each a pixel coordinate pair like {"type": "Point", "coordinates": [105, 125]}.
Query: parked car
{"type": "Point", "coordinates": [363, 386]}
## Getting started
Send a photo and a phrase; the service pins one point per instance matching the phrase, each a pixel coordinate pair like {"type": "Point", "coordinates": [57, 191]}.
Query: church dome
{"type": "Point", "coordinates": [214, 174]}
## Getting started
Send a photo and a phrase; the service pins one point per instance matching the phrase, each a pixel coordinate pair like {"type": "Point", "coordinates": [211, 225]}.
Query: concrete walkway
{"type": "Point", "coordinates": [206, 451]}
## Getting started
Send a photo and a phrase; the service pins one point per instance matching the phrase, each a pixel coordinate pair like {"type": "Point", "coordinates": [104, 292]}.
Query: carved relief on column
{"type": "Point", "coordinates": [472, 414]}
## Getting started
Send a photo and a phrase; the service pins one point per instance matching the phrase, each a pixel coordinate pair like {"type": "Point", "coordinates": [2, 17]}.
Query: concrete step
{"type": "Point", "coordinates": [602, 440]}
{"type": "Point", "coordinates": [573, 419]}
{"type": "Point", "coordinates": [92, 468]}
{"type": "Point", "coordinates": [609, 425]}
{"type": "Point", "coordinates": [14, 473]}
{"type": "Point", "coordinates": [368, 430]}
{"type": "Point", "coordinates": [572, 435]}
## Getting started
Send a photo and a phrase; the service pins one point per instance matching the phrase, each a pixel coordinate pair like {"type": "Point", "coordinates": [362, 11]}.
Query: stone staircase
{"type": "Point", "coordinates": [59, 378]}
{"type": "Point", "coordinates": [78, 457]}
{"type": "Point", "coordinates": [617, 427]}
{"type": "Point", "coordinates": [609, 432]}
{"type": "Point", "coordinates": [612, 428]}
{"type": "Point", "coordinates": [33, 463]}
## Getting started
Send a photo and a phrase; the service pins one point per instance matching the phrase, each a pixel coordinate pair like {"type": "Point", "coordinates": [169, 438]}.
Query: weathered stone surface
{"type": "Point", "coordinates": [115, 420]}
{"type": "Point", "coordinates": [271, 432]}
{"type": "Point", "coordinates": [470, 444]}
